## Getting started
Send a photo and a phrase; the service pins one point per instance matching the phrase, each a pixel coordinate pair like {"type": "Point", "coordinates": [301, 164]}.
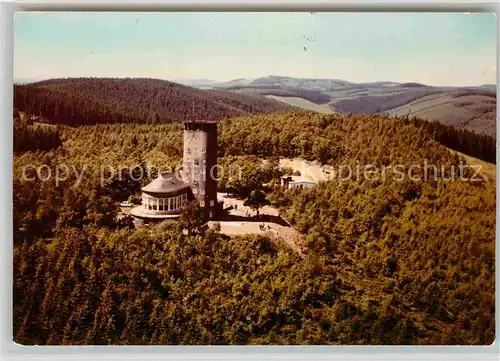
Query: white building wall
{"type": "Point", "coordinates": [303, 185]}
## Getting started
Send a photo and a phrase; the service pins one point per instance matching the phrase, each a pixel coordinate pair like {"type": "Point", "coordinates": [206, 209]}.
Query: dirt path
{"type": "Point", "coordinates": [287, 235]}
{"type": "Point", "coordinates": [247, 223]}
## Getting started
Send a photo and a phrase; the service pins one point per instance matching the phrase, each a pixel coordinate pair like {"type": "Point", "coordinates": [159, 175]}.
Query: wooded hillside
{"type": "Point", "coordinates": [83, 101]}
{"type": "Point", "coordinates": [387, 262]}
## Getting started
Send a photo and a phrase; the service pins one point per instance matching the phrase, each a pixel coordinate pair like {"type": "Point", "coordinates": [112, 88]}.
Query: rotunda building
{"type": "Point", "coordinates": [163, 198]}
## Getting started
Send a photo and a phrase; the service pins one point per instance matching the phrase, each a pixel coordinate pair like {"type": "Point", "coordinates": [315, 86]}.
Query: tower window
{"type": "Point", "coordinates": [202, 203]}
{"type": "Point", "coordinates": [195, 191]}
{"type": "Point", "coordinates": [212, 203]}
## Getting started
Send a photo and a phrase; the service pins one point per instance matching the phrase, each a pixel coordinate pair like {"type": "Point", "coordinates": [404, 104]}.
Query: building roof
{"type": "Point", "coordinates": [166, 183]}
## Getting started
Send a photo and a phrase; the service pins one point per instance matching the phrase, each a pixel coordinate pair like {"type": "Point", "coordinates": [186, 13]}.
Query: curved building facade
{"type": "Point", "coordinates": [163, 198]}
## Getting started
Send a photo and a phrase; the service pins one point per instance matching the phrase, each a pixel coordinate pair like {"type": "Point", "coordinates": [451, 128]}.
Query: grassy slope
{"type": "Point", "coordinates": [487, 170]}
{"type": "Point", "coordinates": [304, 104]}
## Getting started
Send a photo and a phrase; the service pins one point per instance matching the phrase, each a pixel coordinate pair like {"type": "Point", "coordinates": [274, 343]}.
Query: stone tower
{"type": "Point", "coordinates": [200, 163]}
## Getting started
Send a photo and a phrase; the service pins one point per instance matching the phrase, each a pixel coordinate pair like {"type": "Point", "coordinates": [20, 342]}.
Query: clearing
{"type": "Point", "coordinates": [315, 172]}
{"type": "Point", "coordinates": [312, 171]}
{"type": "Point", "coordinates": [304, 104]}
{"type": "Point", "coordinates": [487, 170]}
{"type": "Point", "coordinates": [241, 220]}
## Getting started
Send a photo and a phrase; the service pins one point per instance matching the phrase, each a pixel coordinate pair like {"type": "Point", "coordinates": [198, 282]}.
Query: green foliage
{"type": "Point", "coordinates": [242, 174]}
{"type": "Point", "coordinates": [85, 101]}
{"type": "Point", "coordinates": [337, 139]}
{"type": "Point", "coordinates": [256, 200]}
{"type": "Point", "coordinates": [386, 262]}
{"type": "Point", "coordinates": [191, 219]}
{"type": "Point", "coordinates": [466, 141]}
{"type": "Point", "coordinates": [34, 137]}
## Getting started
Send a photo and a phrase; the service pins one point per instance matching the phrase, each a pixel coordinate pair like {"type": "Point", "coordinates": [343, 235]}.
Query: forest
{"type": "Point", "coordinates": [29, 137]}
{"type": "Point", "coordinates": [480, 146]}
{"type": "Point", "coordinates": [314, 96]}
{"type": "Point", "coordinates": [389, 262]}
{"type": "Point", "coordinates": [381, 103]}
{"type": "Point", "coordinates": [91, 101]}
{"type": "Point", "coordinates": [86, 101]}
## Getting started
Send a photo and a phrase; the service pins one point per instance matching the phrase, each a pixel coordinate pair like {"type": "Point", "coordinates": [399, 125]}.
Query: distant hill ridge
{"type": "Point", "coordinates": [469, 107]}
{"type": "Point", "coordinates": [110, 100]}
{"type": "Point", "coordinates": [78, 101]}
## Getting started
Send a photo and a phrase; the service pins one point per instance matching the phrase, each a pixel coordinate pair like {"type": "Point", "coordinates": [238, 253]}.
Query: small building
{"type": "Point", "coordinates": [163, 198]}
{"type": "Point", "coordinates": [297, 182]}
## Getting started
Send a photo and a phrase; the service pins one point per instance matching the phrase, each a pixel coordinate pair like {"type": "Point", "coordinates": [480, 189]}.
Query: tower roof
{"type": "Point", "coordinates": [166, 183]}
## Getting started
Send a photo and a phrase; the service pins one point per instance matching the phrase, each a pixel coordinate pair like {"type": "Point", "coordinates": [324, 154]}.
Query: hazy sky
{"type": "Point", "coordinates": [431, 48]}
